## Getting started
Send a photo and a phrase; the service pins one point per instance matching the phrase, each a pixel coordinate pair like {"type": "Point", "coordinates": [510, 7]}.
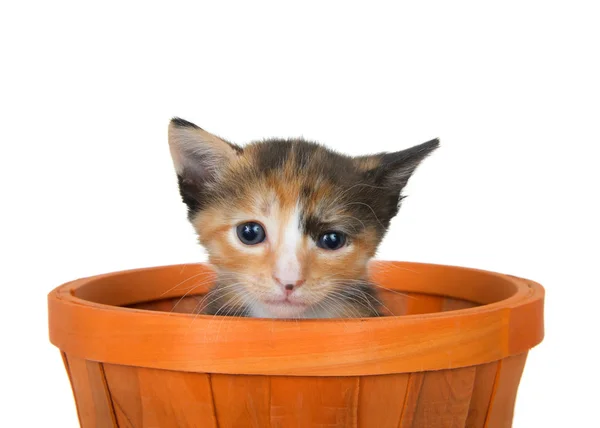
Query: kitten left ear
{"type": "Point", "coordinates": [393, 170]}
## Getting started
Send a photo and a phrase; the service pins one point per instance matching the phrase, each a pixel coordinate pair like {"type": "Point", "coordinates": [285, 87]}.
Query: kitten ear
{"type": "Point", "coordinates": [393, 170]}
{"type": "Point", "coordinates": [198, 157]}
{"type": "Point", "coordinates": [197, 153]}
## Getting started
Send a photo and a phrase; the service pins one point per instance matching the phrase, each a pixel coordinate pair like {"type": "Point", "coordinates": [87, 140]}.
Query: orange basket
{"type": "Point", "coordinates": [449, 353]}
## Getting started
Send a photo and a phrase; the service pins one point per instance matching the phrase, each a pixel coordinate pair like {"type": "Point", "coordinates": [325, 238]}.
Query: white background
{"type": "Point", "coordinates": [511, 88]}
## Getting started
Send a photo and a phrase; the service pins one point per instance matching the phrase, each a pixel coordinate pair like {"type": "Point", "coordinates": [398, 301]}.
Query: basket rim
{"type": "Point", "coordinates": [107, 333]}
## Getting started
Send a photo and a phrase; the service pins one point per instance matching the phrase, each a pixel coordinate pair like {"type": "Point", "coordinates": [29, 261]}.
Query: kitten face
{"type": "Point", "coordinates": [289, 225]}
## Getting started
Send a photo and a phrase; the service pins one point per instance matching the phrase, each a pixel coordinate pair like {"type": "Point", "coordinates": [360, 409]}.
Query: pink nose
{"type": "Point", "coordinates": [289, 286]}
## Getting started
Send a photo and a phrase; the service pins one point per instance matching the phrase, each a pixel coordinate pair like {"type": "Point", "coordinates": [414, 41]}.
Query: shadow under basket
{"type": "Point", "coordinates": [449, 353]}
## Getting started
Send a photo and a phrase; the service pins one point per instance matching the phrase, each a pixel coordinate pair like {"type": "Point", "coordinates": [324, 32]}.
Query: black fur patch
{"type": "Point", "coordinates": [314, 227]}
{"type": "Point", "coordinates": [181, 123]}
{"type": "Point", "coordinates": [273, 154]}
{"type": "Point", "coordinates": [192, 195]}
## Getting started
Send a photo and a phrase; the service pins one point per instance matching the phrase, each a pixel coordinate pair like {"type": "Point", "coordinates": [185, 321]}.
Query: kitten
{"type": "Point", "coordinates": [289, 225]}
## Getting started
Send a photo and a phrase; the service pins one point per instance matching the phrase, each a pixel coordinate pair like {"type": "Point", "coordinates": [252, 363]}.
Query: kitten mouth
{"type": "Point", "coordinates": [284, 308]}
{"type": "Point", "coordinates": [285, 302]}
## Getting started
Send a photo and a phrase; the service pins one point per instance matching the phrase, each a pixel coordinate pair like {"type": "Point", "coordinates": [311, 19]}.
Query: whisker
{"type": "Point", "coordinates": [343, 297]}
{"type": "Point", "coordinates": [352, 187]}
{"type": "Point", "coordinates": [209, 293]}
{"type": "Point", "coordinates": [231, 289]}
{"type": "Point", "coordinates": [368, 206]}
{"type": "Point", "coordinates": [368, 283]}
{"type": "Point", "coordinates": [183, 282]}
{"type": "Point", "coordinates": [384, 267]}
{"type": "Point", "coordinates": [363, 295]}
{"type": "Point", "coordinates": [189, 291]}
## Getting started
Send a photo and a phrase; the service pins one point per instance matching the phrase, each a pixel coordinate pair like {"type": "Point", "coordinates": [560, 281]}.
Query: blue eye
{"type": "Point", "coordinates": [251, 233]}
{"type": "Point", "coordinates": [331, 240]}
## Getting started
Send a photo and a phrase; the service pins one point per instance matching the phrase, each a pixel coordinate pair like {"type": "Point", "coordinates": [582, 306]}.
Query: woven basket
{"type": "Point", "coordinates": [450, 353]}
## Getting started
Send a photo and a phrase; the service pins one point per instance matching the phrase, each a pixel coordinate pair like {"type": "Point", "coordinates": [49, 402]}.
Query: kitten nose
{"type": "Point", "coordinates": [289, 286]}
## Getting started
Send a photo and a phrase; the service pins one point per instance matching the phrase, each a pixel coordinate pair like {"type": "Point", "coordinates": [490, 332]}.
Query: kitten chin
{"type": "Point", "coordinates": [289, 224]}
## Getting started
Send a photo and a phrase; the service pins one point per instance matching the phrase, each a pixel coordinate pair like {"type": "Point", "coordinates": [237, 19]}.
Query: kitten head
{"type": "Point", "coordinates": [288, 224]}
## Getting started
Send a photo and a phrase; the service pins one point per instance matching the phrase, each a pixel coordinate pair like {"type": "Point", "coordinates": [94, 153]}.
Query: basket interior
{"type": "Point", "coordinates": [395, 303]}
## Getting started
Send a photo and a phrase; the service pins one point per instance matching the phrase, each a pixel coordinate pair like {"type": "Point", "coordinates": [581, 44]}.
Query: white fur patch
{"type": "Point", "coordinates": [287, 267]}
{"type": "Point", "coordinates": [258, 310]}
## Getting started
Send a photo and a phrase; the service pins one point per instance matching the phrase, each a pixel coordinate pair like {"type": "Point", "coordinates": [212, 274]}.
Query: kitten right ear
{"type": "Point", "coordinates": [198, 157]}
